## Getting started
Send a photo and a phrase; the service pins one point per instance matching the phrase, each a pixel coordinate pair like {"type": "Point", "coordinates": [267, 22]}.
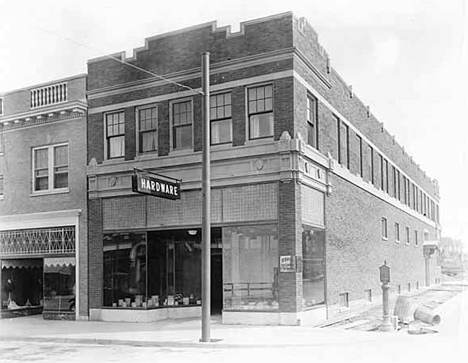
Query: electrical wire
{"type": "Point", "coordinates": [118, 60]}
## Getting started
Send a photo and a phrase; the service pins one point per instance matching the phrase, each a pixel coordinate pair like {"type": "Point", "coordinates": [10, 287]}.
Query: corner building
{"type": "Point", "coordinates": [310, 194]}
{"type": "Point", "coordinates": [43, 230]}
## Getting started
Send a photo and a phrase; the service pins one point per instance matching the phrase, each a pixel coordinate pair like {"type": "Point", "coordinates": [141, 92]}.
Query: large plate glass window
{"type": "Point", "coordinates": [313, 266]}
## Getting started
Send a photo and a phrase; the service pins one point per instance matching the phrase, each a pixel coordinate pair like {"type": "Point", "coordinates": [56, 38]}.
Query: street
{"type": "Point", "coordinates": [447, 343]}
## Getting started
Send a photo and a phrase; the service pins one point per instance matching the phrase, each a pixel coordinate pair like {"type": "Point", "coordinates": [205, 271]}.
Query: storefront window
{"type": "Point", "coordinates": [125, 270]}
{"type": "Point", "coordinates": [313, 259]}
{"type": "Point", "coordinates": [174, 268]}
{"type": "Point", "coordinates": [59, 284]}
{"type": "Point", "coordinates": [250, 267]}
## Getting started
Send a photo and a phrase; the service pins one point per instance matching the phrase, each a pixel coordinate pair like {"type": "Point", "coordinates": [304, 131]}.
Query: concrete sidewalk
{"type": "Point", "coordinates": [187, 332]}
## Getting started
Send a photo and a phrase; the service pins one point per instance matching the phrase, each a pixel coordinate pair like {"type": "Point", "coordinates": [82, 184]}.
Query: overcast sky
{"type": "Point", "coordinates": [406, 59]}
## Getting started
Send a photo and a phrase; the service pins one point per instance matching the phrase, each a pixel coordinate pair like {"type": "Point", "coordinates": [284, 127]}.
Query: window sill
{"type": "Point", "coordinates": [2, 197]}
{"type": "Point", "coordinates": [396, 241]}
{"type": "Point", "coordinates": [224, 146]}
{"type": "Point", "coordinates": [49, 192]}
{"type": "Point", "coordinates": [260, 141]}
{"type": "Point", "coordinates": [113, 161]}
{"type": "Point", "coordinates": [181, 152]}
{"type": "Point", "coordinates": [384, 238]}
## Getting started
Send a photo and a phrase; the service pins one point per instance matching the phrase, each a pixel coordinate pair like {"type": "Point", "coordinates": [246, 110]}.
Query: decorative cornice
{"type": "Point", "coordinates": [318, 75]}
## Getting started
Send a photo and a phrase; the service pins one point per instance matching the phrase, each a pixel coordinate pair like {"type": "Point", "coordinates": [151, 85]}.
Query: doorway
{"type": "Point", "coordinates": [216, 271]}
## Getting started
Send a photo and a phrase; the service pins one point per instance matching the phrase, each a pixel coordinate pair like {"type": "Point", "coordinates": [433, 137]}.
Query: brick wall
{"type": "Point", "coordinates": [352, 108]}
{"type": "Point", "coordinates": [95, 253]}
{"type": "Point", "coordinates": [355, 248]}
{"type": "Point", "coordinates": [290, 244]}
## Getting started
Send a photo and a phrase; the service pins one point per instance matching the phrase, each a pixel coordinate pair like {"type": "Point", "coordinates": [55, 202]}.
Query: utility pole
{"type": "Point", "coordinates": [206, 203]}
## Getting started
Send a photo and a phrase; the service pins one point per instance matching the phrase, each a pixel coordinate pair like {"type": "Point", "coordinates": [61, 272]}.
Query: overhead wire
{"type": "Point", "coordinates": [118, 59]}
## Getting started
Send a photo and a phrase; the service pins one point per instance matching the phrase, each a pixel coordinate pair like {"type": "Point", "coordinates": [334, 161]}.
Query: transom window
{"type": "Point", "coordinates": [260, 110]}
{"type": "Point", "coordinates": [312, 132]}
{"type": "Point", "coordinates": [147, 129]}
{"type": "Point", "coordinates": [50, 165]}
{"type": "Point", "coordinates": [115, 135]}
{"type": "Point", "coordinates": [221, 121]}
{"type": "Point", "coordinates": [182, 118]}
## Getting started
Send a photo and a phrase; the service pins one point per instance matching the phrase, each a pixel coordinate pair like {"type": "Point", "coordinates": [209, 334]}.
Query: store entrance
{"type": "Point", "coordinates": [216, 271]}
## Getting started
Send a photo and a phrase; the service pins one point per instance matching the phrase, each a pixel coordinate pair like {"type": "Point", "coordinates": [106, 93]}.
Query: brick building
{"type": "Point", "coordinates": [310, 194]}
{"type": "Point", "coordinates": [43, 230]}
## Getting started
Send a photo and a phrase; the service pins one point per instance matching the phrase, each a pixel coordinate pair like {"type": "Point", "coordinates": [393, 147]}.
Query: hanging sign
{"type": "Point", "coordinates": [146, 184]}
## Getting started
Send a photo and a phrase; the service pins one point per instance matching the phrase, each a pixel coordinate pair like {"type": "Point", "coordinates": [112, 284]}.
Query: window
{"type": "Point", "coordinates": [344, 300]}
{"type": "Point", "coordinates": [382, 176]}
{"type": "Point", "coordinates": [426, 236]}
{"type": "Point", "coordinates": [220, 118]}
{"type": "Point", "coordinates": [312, 131]}
{"type": "Point", "coordinates": [115, 135]}
{"type": "Point", "coordinates": [398, 185]}
{"type": "Point", "coordinates": [409, 286]}
{"type": "Point", "coordinates": [1, 106]}
{"type": "Point", "coordinates": [182, 119]}
{"type": "Point", "coordinates": [359, 138]}
{"type": "Point", "coordinates": [371, 164]}
{"type": "Point", "coordinates": [50, 166]}
{"type": "Point", "coordinates": [260, 110]}
{"type": "Point", "coordinates": [343, 142]}
{"type": "Point", "coordinates": [313, 266]}
{"type": "Point", "coordinates": [368, 295]}
{"type": "Point", "coordinates": [416, 242]}
{"type": "Point", "coordinates": [407, 236]}
{"type": "Point", "coordinates": [397, 232]}
{"type": "Point", "coordinates": [399, 289]}
{"type": "Point", "coordinates": [147, 122]}
{"type": "Point", "coordinates": [394, 182]}
{"type": "Point", "coordinates": [386, 175]}
{"type": "Point", "coordinates": [1, 185]}
{"type": "Point", "coordinates": [384, 228]}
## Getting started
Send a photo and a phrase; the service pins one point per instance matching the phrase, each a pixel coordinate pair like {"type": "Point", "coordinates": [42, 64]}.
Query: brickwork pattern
{"type": "Point", "coordinates": [356, 249]}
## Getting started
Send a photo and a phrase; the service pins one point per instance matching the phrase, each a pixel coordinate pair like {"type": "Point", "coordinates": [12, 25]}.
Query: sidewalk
{"type": "Point", "coordinates": [186, 333]}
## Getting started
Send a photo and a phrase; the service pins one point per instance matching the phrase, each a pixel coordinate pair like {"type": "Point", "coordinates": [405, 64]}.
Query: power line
{"type": "Point", "coordinates": [118, 60]}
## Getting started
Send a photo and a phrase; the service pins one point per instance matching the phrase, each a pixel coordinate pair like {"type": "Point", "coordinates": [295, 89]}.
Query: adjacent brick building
{"type": "Point", "coordinates": [310, 194]}
{"type": "Point", "coordinates": [43, 229]}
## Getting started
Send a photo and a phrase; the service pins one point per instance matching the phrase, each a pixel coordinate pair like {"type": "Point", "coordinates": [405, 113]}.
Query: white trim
{"type": "Point", "coordinates": [214, 88]}
{"type": "Point", "coordinates": [40, 220]}
{"type": "Point", "coordinates": [137, 129]}
{"type": "Point", "coordinates": [317, 94]}
{"type": "Point", "coordinates": [171, 125]}
{"type": "Point", "coordinates": [50, 169]}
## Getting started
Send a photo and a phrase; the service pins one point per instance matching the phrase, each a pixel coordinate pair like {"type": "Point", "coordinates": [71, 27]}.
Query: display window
{"type": "Point", "coordinates": [313, 266]}
{"type": "Point", "coordinates": [59, 285]}
{"type": "Point", "coordinates": [250, 264]}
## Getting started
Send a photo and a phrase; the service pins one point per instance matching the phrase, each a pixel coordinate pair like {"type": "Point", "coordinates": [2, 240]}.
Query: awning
{"type": "Point", "coordinates": [22, 263]}
{"type": "Point", "coordinates": [433, 243]}
{"type": "Point", "coordinates": [59, 261]}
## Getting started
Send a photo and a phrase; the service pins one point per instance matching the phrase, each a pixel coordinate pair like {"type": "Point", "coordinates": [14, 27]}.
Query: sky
{"type": "Point", "coordinates": [406, 59]}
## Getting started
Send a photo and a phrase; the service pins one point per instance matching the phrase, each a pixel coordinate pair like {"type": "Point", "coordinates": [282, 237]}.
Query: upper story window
{"type": "Point", "coordinates": [49, 95]}
{"type": "Point", "coordinates": [1, 185]}
{"type": "Point", "coordinates": [50, 165]}
{"type": "Point", "coordinates": [407, 236]}
{"type": "Point", "coordinates": [147, 123]}
{"type": "Point", "coordinates": [1, 106]}
{"type": "Point", "coordinates": [260, 111]}
{"type": "Point", "coordinates": [397, 232]}
{"type": "Point", "coordinates": [343, 143]}
{"type": "Point", "coordinates": [115, 134]}
{"type": "Point", "coordinates": [384, 228]}
{"type": "Point", "coordinates": [382, 175]}
{"type": "Point", "coordinates": [371, 164]}
{"type": "Point", "coordinates": [220, 119]}
{"type": "Point", "coordinates": [360, 168]}
{"type": "Point", "coordinates": [312, 130]}
{"type": "Point", "coordinates": [182, 121]}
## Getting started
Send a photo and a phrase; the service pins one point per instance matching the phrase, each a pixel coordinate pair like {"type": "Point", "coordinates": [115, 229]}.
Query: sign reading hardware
{"type": "Point", "coordinates": [157, 187]}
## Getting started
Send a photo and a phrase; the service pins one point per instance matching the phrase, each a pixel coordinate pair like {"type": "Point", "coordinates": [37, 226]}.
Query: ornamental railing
{"type": "Point", "coordinates": [37, 241]}
{"type": "Point", "coordinates": [49, 95]}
